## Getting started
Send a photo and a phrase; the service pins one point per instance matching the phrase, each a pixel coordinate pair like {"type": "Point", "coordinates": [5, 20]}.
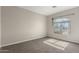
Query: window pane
{"type": "Point", "coordinates": [61, 25]}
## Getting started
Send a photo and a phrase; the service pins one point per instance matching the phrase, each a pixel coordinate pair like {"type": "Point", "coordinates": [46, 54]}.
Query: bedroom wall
{"type": "Point", "coordinates": [0, 26]}
{"type": "Point", "coordinates": [74, 19]}
{"type": "Point", "coordinates": [19, 25]}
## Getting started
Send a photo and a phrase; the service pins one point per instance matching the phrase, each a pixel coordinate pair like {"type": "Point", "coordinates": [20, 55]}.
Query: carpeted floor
{"type": "Point", "coordinates": [38, 46]}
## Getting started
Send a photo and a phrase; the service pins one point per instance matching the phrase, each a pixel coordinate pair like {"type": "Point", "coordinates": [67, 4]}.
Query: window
{"type": "Point", "coordinates": [61, 25]}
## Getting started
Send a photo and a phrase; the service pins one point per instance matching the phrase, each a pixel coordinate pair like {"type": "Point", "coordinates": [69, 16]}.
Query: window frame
{"type": "Point", "coordinates": [61, 32]}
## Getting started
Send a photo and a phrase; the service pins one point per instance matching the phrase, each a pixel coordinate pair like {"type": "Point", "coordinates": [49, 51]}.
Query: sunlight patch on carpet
{"type": "Point", "coordinates": [56, 43]}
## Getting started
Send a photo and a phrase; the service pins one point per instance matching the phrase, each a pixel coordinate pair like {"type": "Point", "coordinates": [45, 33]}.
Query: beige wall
{"type": "Point", "coordinates": [0, 26]}
{"type": "Point", "coordinates": [74, 35]}
{"type": "Point", "coordinates": [20, 25]}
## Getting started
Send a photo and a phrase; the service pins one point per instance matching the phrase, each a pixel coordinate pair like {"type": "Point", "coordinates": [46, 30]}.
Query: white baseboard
{"type": "Point", "coordinates": [23, 41]}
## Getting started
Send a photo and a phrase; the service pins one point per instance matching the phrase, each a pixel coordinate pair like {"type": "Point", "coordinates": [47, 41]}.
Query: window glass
{"type": "Point", "coordinates": [61, 25]}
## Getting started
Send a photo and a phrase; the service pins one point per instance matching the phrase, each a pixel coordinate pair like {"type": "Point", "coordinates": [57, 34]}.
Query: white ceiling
{"type": "Point", "coordinates": [47, 10]}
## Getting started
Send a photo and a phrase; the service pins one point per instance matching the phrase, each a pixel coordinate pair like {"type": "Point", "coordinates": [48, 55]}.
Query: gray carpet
{"type": "Point", "coordinates": [38, 46]}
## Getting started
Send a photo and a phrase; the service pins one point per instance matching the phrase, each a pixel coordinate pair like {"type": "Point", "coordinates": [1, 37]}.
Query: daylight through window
{"type": "Point", "coordinates": [61, 25]}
